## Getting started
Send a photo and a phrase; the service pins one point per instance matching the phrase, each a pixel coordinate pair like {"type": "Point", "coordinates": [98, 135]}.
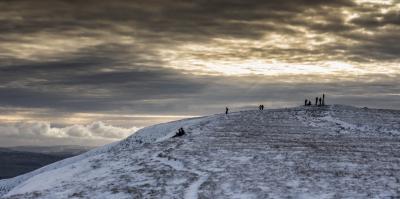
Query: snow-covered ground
{"type": "Point", "coordinates": [304, 152]}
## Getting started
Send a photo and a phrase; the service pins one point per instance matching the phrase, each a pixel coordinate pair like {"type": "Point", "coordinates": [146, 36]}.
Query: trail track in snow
{"type": "Point", "coordinates": [193, 189]}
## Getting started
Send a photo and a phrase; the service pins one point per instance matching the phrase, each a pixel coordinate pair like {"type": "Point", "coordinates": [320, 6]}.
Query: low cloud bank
{"type": "Point", "coordinates": [95, 130]}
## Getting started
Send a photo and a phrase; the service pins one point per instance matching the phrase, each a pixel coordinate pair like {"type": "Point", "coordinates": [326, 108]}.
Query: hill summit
{"type": "Point", "coordinates": [333, 151]}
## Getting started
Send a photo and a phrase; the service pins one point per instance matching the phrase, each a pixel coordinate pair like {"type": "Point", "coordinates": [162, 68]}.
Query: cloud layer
{"type": "Point", "coordinates": [41, 132]}
{"type": "Point", "coordinates": [196, 32]}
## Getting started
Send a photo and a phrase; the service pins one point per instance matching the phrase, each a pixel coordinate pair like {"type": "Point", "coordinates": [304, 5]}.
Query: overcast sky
{"type": "Point", "coordinates": [91, 72]}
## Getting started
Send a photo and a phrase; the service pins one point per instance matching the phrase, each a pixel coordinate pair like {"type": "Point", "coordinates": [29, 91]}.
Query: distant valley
{"type": "Point", "coordinates": [22, 159]}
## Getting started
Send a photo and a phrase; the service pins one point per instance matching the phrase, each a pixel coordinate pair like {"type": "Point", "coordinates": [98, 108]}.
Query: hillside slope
{"type": "Point", "coordinates": [305, 152]}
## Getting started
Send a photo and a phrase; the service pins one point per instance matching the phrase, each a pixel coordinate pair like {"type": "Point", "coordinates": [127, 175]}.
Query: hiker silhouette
{"type": "Point", "coordinates": [179, 133]}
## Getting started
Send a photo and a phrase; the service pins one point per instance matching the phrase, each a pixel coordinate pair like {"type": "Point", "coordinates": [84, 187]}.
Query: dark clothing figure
{"type": "Point", "coordinates": [261, 107]}
{"type": "Point", "coordinates": [305, 102]}
{"type": "Point", "coordinates": [309, 102]}
{"type": "Point", "coordinates": [320, 101]}
{"type": "Point", "coordinates": [316, 101]}
{"type": "Point", "coordinates": [226, 110]}
{"type": "Point", "coordinates": [179, 133]}
{"type": "Point", "coordinates": [323, 99]}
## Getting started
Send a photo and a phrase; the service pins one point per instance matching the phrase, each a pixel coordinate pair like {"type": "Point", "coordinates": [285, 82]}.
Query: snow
{"type": "Point", "coordinates": [192, 191]}
{"type": "Point", "coordinates": [161, 132]}
{"type": "Point", "coordinates": [172, 163]}
{"type": "Point", "coordinates": [303, 152]}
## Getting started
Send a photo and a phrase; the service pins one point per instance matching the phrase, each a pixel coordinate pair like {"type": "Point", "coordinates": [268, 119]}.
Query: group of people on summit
{"type": "Point", "coordinates": [319, 101]}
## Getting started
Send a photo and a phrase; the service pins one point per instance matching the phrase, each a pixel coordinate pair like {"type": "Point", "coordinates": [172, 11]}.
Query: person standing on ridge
{"type": "Point", "coordinates": [320, 101]}
{"type": "Point", "coordinates": [226, 110]}
{"type": "Point", "coordinates": [305, 102]}
{"type": "Point", "coordinates": [316, 101]}
{"type": "Point", "coordinates": [323, 99]}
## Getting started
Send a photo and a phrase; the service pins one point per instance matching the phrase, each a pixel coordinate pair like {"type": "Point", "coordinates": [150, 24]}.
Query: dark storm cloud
{"type": "Point", "coordinates": [178, 16]}
{"type": "Point", "coordinates": [164, 23]}
{"type": "Point", "coordinates": [82, 85]}
{"type": "Point", "coordinates": [180, 20]}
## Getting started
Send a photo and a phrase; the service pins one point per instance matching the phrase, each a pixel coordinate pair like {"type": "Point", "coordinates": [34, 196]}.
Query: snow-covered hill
{"type": "Point", "coordinates": [304, 152]}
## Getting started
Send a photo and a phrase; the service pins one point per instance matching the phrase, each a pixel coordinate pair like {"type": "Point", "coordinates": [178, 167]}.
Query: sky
{"type": "Point", "coordinates": [92, 72]}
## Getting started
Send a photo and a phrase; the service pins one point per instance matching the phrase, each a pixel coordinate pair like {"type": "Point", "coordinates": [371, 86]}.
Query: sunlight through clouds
{"type": "Point", "coordinates": [385, 2]}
